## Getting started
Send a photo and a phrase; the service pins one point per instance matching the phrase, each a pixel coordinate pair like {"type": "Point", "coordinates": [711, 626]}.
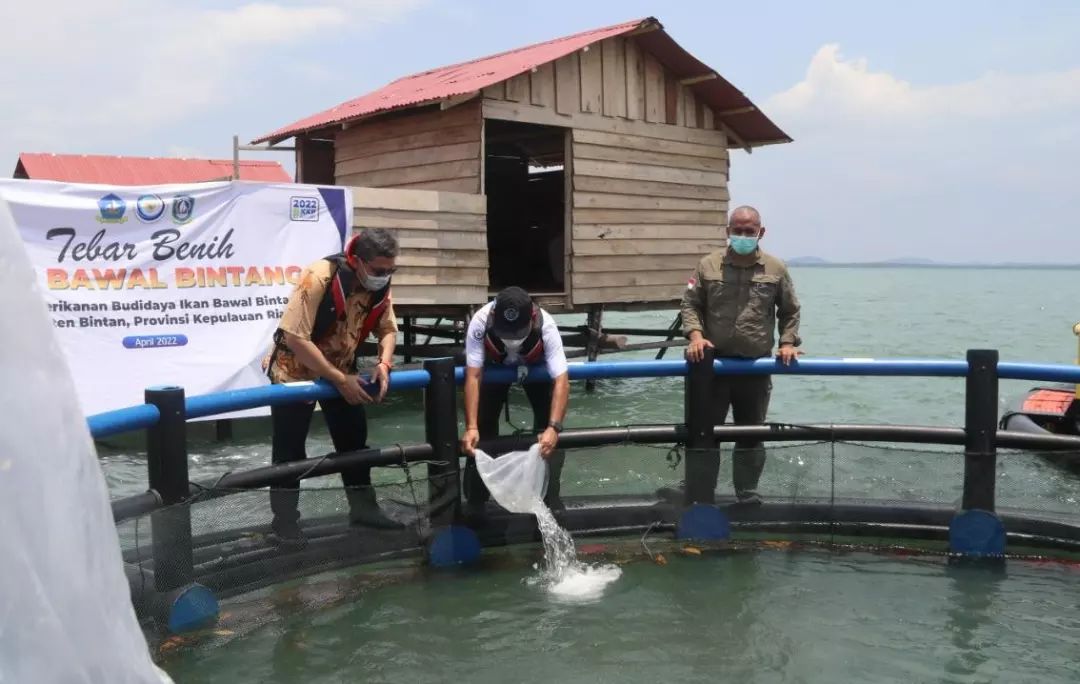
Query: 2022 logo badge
{"type": "Point", "coordinates": [303, 209]}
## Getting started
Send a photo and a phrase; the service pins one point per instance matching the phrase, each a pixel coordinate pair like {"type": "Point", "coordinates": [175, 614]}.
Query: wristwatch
{"type": "Point", "coordinates": [556, 426]}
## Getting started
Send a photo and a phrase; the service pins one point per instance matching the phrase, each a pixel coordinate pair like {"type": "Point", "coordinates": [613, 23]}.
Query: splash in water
{"type": "Point", "coordinates": [563, 574]}
{"type": "Point", "coordinates": [518, 481]}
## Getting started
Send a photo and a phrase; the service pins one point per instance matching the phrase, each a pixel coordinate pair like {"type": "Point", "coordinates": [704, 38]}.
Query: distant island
{"type": "Point", "coordinates": [918, 262]}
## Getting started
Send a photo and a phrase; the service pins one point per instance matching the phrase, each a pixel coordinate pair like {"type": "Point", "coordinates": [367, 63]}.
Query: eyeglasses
{"type": "Point", "coordinates": [379, 272]}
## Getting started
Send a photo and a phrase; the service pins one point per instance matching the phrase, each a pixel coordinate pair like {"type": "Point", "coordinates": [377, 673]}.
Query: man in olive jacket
{"type": "Point", "coordinates": [733, 303]}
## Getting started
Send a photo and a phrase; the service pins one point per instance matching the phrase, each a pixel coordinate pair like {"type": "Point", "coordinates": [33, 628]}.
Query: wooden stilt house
{"type": "Point", "coordinates": [591, 170]}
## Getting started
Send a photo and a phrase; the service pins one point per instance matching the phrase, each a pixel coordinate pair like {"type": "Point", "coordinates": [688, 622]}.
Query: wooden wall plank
{"type": "Point", "coordinates": [470, 184]}
{"type": "Point", "coordinates": [443, 235]}
{"type": "Point", "coordinates": [606, 200]}
{"type": "Point", "coordinates": [634, 278]}
{"type": "Point", "coordinates": [604, 264]}
{"type": "Point", "coordinates": [495, 92]}
{"type": "Point", "coordinates": [614, 52]}
{"type": "Point", "coordinates": [628, 156]}
{"type": "Point", "coordinates": [644, 247]}
{"type": "Point", "coordinates": [645, 231]}
{"type": "Point", "coordinates": [441, 239]}
{"type": "Point", "coordinates": [592, 79]}
{"type": "Point", "coordinates": [423, 156]}
{"type": "Point", "coordinates": [655, 95]}
{"type": "Point", "coordinates": [707, 120]}
{"type": "Point", "coordinates": [418, 220]}
{"type": "Point", "coordinates": [440, 275]}
{"type": "Point", "coordinates": [464, 258]}
{"type": "Point", "coordinates": [513, 111]}
{"type": "Point", "coordinates": [689, 108]}
{"type": "Point", "coordinates": [542, 91]}
{"type": "Point", "coordinates": [410, 122]}
{"type": "Point", "coordinates": [661, 174]}
{"type": "Point", "coordinates": [650, 293]}
{"type": "Point", "coordinates": [635, 82]}
{"type": "Point", "coordinates": [418, 200]}
{"type": "Point", "coordinates": [446, 136]}
{"type": "Point", "coordinates": [439, 294]}
{"type": "Point", "coordinates": [672, 101]}
{"type": "Point", "coordinates": [637, 142]}
{"type": "Point", "coordinates": [663, 217]}
{"type": "Point", "coordinates": [567, 85]}
{"type": "Point", "coordinates": [412, 175]}
{"type": "Point", "coordinates": [622, 186]}
{"type": "Point", "coordinates": [517, 88]}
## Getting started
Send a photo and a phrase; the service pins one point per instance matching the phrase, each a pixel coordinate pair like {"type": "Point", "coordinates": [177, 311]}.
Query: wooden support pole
{"type": "Point", "coordinates": [410, 339]}
{"type": "Point", "coordinates": [675, 329]}
{"type": "Point", "coordinates": [594, 321]}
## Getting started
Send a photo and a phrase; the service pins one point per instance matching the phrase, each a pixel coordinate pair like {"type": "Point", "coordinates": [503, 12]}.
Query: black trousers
{"type": "Point", "coordinates": [492, 399]}
{"type": "Point", "coordinates": [747, 397]}
{"type": "Point", "coordinates": [348, 430]}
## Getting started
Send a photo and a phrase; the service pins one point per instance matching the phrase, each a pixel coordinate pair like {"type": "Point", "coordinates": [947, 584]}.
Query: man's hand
{"type": "Point", "coordinates": [381, 375]}
{"type": "Point", "coordinates": [547, 441]}
{"type": "Point", "coordinates": [469, 441]}
{"type": "Point", "coordinates": [351, 389]}
{"type": "Point", "coordinates": [788, 353]}
{"type": "Point", "coordinates": [695, 351]}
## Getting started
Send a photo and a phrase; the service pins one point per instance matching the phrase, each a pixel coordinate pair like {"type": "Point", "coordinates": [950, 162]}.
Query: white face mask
{"type": "Point", "coordinates": [513, 346]}
{"type": "Point", "coordinates": [373, 283]}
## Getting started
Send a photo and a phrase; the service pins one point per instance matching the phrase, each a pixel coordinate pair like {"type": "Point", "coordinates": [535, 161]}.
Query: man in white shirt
{"type": "Point", "coordinates": [513, 331]}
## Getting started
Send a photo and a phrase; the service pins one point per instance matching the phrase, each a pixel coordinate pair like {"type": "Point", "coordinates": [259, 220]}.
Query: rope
{"type": "Point", "coordinates": [832, 491]}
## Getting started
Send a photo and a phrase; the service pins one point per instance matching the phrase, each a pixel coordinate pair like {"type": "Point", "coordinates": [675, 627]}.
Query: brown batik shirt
{"type": "Point", "coordinates": [341, 341]}
{"type": "Point", "coordinates": [737, 308]}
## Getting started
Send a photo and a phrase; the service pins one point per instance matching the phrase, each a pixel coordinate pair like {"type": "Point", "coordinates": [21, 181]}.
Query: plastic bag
{"type": "Point", "coordinates": [518, 480]}
{"type": "Point", "coordinates": [65, 605]}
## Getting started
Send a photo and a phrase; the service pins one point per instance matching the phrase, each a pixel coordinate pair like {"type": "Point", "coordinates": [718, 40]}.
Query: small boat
{"type": "Point", "coordinates": [1049, 409]}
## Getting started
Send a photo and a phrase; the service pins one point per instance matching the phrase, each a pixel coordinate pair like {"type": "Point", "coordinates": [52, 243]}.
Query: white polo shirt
{"type": "Point", "coordinates": [554, 357]}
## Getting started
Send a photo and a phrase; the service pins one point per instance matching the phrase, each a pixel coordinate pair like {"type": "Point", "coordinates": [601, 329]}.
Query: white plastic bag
{"type": "Point", "coordinates": [65, 605]}
{"type": "Point", "coordinates": [518, 480]}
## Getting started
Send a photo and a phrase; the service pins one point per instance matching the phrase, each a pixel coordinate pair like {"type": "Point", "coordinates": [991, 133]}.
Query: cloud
{"type": "Point", "coordinates": [96, 73]}
{"type": "Point", "coordinates": [838, 90]}
{"type": "Point", "coordinates": [882, 166]}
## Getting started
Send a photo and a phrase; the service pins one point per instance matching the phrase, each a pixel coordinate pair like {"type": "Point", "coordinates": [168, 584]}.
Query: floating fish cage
{"type": "Point", "coordinates": [187, 546]}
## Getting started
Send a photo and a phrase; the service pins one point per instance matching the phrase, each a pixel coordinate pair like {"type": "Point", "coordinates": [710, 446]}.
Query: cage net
{"type": "Point", "coordinates": [232, 545]}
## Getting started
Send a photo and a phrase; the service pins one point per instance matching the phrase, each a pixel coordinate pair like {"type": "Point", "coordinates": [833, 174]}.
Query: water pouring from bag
{"type": "Point", "coordinates": [518, 481]}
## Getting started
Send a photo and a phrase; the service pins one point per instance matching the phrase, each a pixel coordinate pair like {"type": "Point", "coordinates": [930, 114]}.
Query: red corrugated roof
{"type": "Point", "coordinates": [750, 125]}
{"type": "Point", "coordinates": [111, 170]}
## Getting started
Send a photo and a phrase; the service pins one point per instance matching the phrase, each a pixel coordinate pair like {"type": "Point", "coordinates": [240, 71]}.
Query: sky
{"type": "Point", "coordinates": [948, 131]}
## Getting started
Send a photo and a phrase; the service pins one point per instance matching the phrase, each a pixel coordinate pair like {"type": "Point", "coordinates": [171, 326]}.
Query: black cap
{"type": "Point", "coordinates": [512, 314]}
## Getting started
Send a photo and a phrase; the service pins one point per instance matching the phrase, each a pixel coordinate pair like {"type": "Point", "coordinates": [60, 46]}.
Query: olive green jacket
{"type": "Point", "coordinates": [738, 307]}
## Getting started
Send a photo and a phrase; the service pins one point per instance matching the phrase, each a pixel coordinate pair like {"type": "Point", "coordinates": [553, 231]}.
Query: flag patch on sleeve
{"type": "Point", "coordinates": [691, 283]}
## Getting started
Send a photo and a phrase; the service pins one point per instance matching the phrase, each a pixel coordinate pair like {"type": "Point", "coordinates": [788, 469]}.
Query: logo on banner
{"type": "Point", "coordinates": [304, 208]}
{"type": "Point", "coordinates": [111, 209]}
{"type": "Point", "coordinates": [183, 208]}
{"type": "Point", "coordinates": [149, 208]}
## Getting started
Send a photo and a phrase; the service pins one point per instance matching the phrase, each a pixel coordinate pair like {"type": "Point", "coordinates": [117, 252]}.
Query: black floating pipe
{"type": "Point", "coordinates": [167, 465]}
{"type": "Point", "coordinates": [329, 464]}
{"type": "Point", "coordinates": [702, 453]}
{"type": "Point", "coordinates": [980, 427]}
{"type": "Point", "coordinates": [140, 504]}
{"type": "Point", "coordinates": [440, 431]}
{"type": "Point", "coordinates": [135, 506]}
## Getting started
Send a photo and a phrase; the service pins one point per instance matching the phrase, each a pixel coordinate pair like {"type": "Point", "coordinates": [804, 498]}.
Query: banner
{"type": "Point", "coordinates": [171, 284]}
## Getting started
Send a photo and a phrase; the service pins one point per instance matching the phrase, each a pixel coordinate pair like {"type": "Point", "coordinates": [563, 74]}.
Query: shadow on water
{"type": "Point", "coordinates": [973, 596]}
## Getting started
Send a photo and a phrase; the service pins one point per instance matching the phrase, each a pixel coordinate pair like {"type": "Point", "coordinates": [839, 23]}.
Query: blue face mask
{"type": "Point", "coordinates": [742, 244]}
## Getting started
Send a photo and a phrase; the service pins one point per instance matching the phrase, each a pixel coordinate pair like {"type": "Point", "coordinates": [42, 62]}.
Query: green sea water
{"type": "Point", "coordinates": [757, 617]}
